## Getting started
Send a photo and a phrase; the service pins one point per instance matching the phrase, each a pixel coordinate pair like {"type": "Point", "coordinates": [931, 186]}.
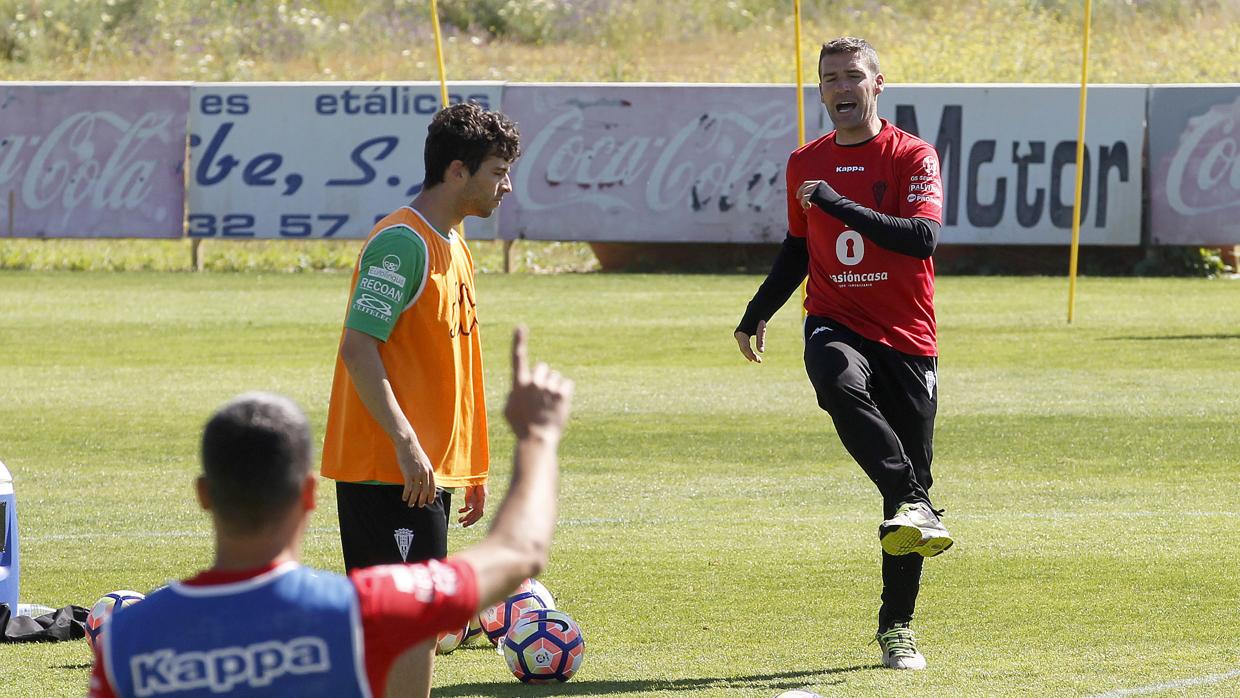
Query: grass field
{"type": "Point", "coordinates": [715, 540]}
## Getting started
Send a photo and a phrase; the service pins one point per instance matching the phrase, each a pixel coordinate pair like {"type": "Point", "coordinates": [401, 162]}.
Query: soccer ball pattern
{"type": "Point", "coordinates": [498, 619]}
{"type": "Point", "coordinates": [544, 645]}
{"type": "Point", "coordinates": [451, 639]}
{"type": "Point", "coordinates": [104, 608]}
{"type": "Point", "coordinates": [472, 632]}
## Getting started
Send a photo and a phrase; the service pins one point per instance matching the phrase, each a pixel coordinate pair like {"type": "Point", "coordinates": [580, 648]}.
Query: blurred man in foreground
{"type": "Point", "coordinates": [259, 623]}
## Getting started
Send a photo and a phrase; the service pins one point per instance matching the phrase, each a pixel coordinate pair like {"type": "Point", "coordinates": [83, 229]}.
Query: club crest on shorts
{"type": "Point", "coordinates": [931, 379]}
{"type": "Point", "coordinates": [404, 538]}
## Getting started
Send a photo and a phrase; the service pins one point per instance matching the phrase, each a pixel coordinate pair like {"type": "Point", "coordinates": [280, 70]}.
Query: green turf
{"type": "Point", "coordinates": [714, 540]}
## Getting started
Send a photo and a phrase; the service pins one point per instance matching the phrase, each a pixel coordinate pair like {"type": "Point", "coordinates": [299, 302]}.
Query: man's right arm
{"type": "Point", "coordinates": [790, 267]}
{"type": "Point", "coordinates": [390, 275]}
{"type": "Point", "coordinates": [360, 354]}
{"type": "Point", "coordinates": [519, 542]}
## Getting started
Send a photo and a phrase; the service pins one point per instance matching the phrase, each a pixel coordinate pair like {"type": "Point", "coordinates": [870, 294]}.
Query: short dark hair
{"type": "Point", "coordinates": [849, 44]}
{"type": "Point", "coordinates": [468, 133]}
{"type": "Point", "coordinates": [255, 457]}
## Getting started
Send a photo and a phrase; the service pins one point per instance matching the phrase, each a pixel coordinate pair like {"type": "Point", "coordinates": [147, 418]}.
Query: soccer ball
{"type": "Point", "coordinates": [798, 694]}
{"type": "Point", "coordinates": [472, 632]}
{"type": "Point", "coordinates": [544, 645]}
{"type": "Point", "coordinates": [451, 639]}
{"type": "Point", "coordinates": [537, 588]}
{"type": "Point", "coordinates": [497, 620]}
{"type": "Point", "coordinates": [105, 607]}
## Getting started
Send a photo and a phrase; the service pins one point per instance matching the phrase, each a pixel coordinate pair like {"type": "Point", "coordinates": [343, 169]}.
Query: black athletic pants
{"type": "Point", "coordinates": [883, 404]}
{"type": "Point", "coordinates": [377, 528]}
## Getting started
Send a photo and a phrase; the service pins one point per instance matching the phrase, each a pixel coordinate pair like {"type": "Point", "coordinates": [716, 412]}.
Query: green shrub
{"type": "Point", "coordinates": [1182, 261]}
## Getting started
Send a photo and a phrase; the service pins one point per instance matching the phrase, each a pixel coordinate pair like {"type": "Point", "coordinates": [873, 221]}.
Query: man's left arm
{"type": "Point", "coordinates": [475, 504]}
{"type": "Point", "coordinates": [914, 236]}
{"type": "Point", "coordinates": [916, 231]}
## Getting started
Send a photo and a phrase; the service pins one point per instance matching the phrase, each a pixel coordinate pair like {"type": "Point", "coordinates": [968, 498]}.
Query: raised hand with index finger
{"type": "Point", "coordinates": [540, 399]}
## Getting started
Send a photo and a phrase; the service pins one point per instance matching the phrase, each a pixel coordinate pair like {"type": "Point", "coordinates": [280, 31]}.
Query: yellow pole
{"type": "Point", "coordinates": [1080, 170]}
{"type": "Point", "coordinates": [443, 75]}
{"type": "Point", "coordinates": [800, 82]}
{"type": "Point", "coordinates": [796, 21]}
{"type": "Point", "coordinates": [443, 79]}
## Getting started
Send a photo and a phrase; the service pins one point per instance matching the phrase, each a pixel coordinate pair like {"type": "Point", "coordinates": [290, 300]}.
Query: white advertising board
{"type": "Point", "coordinates": [312, 160]}
{"type": "Point", "coordinates": [1008, 156]}
{"type": "Point", "coordinates": [683, 163]}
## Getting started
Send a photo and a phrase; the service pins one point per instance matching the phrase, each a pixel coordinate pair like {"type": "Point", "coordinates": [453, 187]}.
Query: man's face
{"type": "Point", "coordinates": [485, 188]}
{"type": "Point", "coordinates": [849, 89]}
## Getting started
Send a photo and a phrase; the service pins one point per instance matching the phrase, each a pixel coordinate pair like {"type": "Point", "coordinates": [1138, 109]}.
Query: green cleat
{"type": "Point", "coordinates": [900, 648]}
{"type": "Point", "coordinates": [915, 528]}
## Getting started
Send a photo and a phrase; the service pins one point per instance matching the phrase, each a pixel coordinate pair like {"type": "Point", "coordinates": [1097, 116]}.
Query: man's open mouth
{"type": "Point", "coordinates": [845, 107]}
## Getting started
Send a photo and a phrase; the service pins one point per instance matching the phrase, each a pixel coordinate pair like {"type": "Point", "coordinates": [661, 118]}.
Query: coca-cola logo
{"type": "Point", "coordinates": [91, 159]}
{"type": "Point", "coordinates": [632, 160]}
{"type": "Point", "coordinates": [1204, 173]}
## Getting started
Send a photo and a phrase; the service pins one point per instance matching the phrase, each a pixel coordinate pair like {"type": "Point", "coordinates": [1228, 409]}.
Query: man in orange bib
{"type": "Point", "coordinates": [407, 420]}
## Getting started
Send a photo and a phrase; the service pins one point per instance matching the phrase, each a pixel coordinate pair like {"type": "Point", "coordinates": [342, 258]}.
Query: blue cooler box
{"type": "Point", "coordinates": [10, 561]}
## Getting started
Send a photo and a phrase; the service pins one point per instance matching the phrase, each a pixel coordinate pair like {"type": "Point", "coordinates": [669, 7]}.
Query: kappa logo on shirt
{"type": "Point", "coordinates": [224, 668]}
{"type": "Point", "coordinates": [849, 168]}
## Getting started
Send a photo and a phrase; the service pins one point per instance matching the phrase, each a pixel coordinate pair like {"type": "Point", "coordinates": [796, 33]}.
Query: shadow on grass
{"type": "Point", "coordinates": [1175, 337]}
{"type": "Point", "coordinates": [783, 681]}
{"type": "Point", "coordinates": [75, 667]}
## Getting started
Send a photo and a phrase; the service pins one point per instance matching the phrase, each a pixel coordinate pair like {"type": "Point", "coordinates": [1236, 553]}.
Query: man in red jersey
{"type": "Point", "coordinates": [864, 212]}
{"type": "Point", "coordinates": [258, 623]}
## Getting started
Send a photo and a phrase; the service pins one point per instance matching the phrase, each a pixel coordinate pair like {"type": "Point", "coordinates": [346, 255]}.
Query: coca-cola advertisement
{"type": "Point", "coordinates": [682, 163]}
{"type": "Point", "coordinates": [92, 160]}
{"type": "Point", "coordinates": [1195, 165]}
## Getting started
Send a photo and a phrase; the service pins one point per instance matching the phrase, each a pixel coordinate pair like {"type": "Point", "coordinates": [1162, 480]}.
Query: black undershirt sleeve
{"type": "Point", "coordinates": [790, 267]}
{"type": "Point", "coordinates": [915, 237]}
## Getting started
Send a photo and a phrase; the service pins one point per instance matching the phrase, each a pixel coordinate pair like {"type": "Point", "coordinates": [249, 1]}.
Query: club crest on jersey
{"type": "Point", "coordinates": [404, 538]}
{"type": "Point", "coordinates": [930, 165]}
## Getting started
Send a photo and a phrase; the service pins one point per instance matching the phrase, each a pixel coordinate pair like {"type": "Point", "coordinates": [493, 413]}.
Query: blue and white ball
{"type": "Point", "coordinates": [544, 645]}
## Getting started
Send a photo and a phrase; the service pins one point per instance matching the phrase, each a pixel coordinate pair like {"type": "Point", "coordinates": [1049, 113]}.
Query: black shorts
{"type": "Point", "coordinates": [377, 528]}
